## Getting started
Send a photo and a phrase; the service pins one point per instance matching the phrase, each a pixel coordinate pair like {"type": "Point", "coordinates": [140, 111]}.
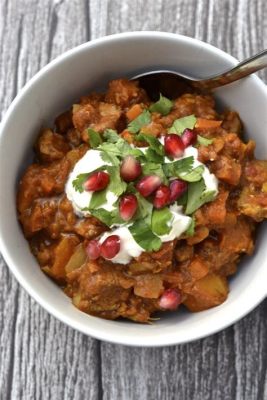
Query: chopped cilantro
{"type": "Point", "coordinates": [144, 236]}
{"type": "Point", "coordinates": [183, 123]}
{"type": "Point", "coordinates": [111, 136]}
{"type": "Point", "coordinates": [94, 138]}
{"type": "Point", "coordinates": [143, 119]}
{"type": "Point", "coordinates": [176, 168]}
{"type": "Point", "coordinates": [161, 221]}
{"type": "Point", "coordinates": [154, 169]}
{"type": "Point", "coordinates": [197, 196]}
{"type": "Point", "coordinates": [162, 106]}
{"type": "Point", "coordinates": [116, 185]}
{"type": "Point", "coordinates": [153, 142]}
{"type": "Point", "coordinates": [204, 141]}
{"type": "Point", "coordinates": [144, 209]}
{"type": "Point", "coordinates": [194, 175]}
{"type": "Point", "coordinates": [120, 149]}
{"type": "Point", "coordinates": [98, 198]}
{"type": "Point", "coordinates": [78, 182]}
{"type": "Point", "coordinates": [151, 156]}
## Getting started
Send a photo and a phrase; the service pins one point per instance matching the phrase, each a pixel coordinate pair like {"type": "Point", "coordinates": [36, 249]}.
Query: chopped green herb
{"type": "Point", "coordinates": [183, 123]}
{"type": "Point", "coordinates": [98, 198]}
{"type": "Point", "coordinates": [144, 209]}
{"type": "Point", "coordinates": [182, 201]}
{"type": "Point", "coordinates": [154, 169]}
{"type": "Point", "coordinates": [191, 229]}
{"type": "Point", "coordinates": [116, 185]}
{"type": "Point", "coordinates": [204, 141]}
{"type": "Point", "coordinates": [144, 236]}
{"type": "Point", "coordinates": [161, 221]}
{"type": "Point", "coordinates": [143, 119]}
{"type": "Point", "coordinates": [194, 175]}
{"type": "Point", "coordinates": [153, 142]}
{"type": "Point", "coordinates": [120, 149]}
{"type": "Point", "coordinates": [178, 167]}
{"type": "Point", "coordinates": [198, 195]}
{"type": "Point", "coordinates": [162, 106]}
{"type": "Point", "coordinates": [111, 135]}
{"type": "Point", "coordinates": [103, 215]}
{"type": "Point", "coordinates": [78, 182]}
{"type": "Point", "coordinates": [94, 138]}
{"type": "Point", "coordinates": [151, 156]}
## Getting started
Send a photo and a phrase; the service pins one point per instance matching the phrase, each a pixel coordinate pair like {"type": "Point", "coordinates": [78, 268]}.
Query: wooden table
{"type": "Point", "coordinates": [40, 358]}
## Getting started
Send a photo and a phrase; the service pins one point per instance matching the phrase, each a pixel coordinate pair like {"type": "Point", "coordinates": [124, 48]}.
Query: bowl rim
{"type": "Point", "coordinates": [97, 333]}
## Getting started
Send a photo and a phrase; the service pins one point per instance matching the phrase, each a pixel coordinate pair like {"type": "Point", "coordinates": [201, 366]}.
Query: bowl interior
{"type": "Point", "coordinates": [58, 86]}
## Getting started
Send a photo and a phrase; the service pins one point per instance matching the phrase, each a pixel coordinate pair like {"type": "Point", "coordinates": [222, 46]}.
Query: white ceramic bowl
{"type": "Point", "coordinates": [54, 89]}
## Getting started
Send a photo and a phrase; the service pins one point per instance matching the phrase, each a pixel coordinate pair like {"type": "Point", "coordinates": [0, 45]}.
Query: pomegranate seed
{"type": "Point", "coordinates": [97, 181]}
{"type": "Point", "coordinates": [189, 137]}
{"type": "Point", "coordinates": [162, 196]}
{"type": "Point", "coordinates": [170, 299]}
{"type": "Point", "coordinates": [174, 146]}
{"type": "Point", "coordinates": [110, 247]}
{"type": "Point", "coordinates": [93, 249]}
{"type": "Point", "coordinates": [177, 188]}
{"type": "Point", "coordinates": [130, 169]}
{"type": "Point", "coordinates": [128, 206]}
{"type": "Point", "coordinates": [147, 185]}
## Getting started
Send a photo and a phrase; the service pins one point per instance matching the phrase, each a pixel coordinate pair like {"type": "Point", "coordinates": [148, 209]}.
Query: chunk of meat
{"type": "Point", "coordinates": [227, 170]}
{"type": "Point", "coordinates": [63, 122]}
{"type": "Point", "coordinates": [153, 261]}
{"type": "Point", "coordinates": [125, 93]}
{"type": "Point", "coordinates": [187, 104]}
{"type": "Point", "coordinates": [42, 181]}
{"type": "Point", "coordinates": [51, 146]}
{"type": "Point", "coordinates": [213, 213]}
{"type": "Point", "coordinates": [253, 198]}
{"type": "Point", "coordinates": [232, 122]}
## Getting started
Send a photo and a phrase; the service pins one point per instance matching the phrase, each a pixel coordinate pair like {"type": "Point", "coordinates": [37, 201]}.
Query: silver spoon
{"type": "Point", "coordinates": [242, 69]}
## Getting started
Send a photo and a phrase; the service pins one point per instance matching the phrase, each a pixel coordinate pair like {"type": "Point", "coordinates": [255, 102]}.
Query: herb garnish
{"type": "Point", "coordinates": [197, 196]}
{"type": "Point", "coordinates": [94, 138]}
{"type": "Point", "coordinates": [161, 221]}
{"type": "Point", "coordinates": [143, 119]}
{"type": "Point", "coordinates": [144, 236]}
{"type": "Point", "coordinates": [162, 106]}
{"type": "Point", "coordinates": [183, 123]}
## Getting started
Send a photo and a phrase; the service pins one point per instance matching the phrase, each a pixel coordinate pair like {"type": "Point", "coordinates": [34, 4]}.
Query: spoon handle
{"type": "Point", "coordinates": [242, 69]}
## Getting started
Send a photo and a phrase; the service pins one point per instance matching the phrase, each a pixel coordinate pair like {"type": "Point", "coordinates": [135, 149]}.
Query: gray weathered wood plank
{"type": "Point", "coordinates": [40, 358]}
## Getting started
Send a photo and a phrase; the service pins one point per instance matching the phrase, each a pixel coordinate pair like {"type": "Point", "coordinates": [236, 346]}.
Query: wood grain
{"type": "Point", "coordinates": [40, 358]}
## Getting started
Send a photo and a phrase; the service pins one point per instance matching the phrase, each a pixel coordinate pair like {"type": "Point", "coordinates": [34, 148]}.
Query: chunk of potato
{"type": "Point", "coordinates": [77, 259]}
{"type": "Point", "coordinates": [62, 254]}
{"type": "Point", "coordinates": [208, 292]}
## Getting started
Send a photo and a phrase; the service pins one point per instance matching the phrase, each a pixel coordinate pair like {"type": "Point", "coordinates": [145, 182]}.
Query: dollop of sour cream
{"type": "Point", "coordinates": [128, 246]}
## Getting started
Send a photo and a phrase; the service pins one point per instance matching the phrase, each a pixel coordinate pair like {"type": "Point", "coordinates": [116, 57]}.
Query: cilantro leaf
{"type": "Point", "coordinates": [181, 124]}
{"type": "Point", "coordinates": [191, 229]}
{"type": "Point", "coordinates": [116, 185]}
{"type": "Point", "coordinates": [109, 158]}
{"type": "Point", "coordinates": [204, 141]}
{"type": "Point", "coordinates": [78, 182]}
{"type": "Point", "coordinates": [153, 142]}
{"type": "Point", "coordinates": [151, 156]}
{"type": "Point", "coordinates": [144, 236]}
{"type": "Point", "coordinates": [154, 169]}
{"type": "Point", "coordinates": [143, 119]}
{"type": "Point", "coordinates": [120, 149]}
{"type": "Point", "coordinates": [194, 175]}
{"type": "Point", "coordinates": [97, 199]}
{"type": "Point", "coordinates": [111, 135]}
{"type": "Point", "coordinates": [161, 221]}
{"type": "Point", "coordinates": [178, 167]}
{"type": "Point", "coordinates": [94, 138]}
{"type": "Point", "coordinates": [103, 215]}
{"type": "Point", "coordinates": [144, 211]}
{"type": "Point", "coordinates": [162, 106]}
{"type": "Point", "coordinates": [198, 195]}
